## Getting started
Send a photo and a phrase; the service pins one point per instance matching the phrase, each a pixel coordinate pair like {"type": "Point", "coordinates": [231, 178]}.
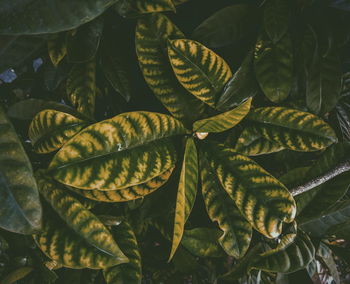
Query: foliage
{"type": "Point", "coordinates": [143, 143]}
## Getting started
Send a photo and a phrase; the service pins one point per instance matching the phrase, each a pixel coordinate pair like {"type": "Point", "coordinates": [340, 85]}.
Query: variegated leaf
{"type": "Point", "coordinates": [57, 47]}
{"type": "Point", "coordinates": [200, 70]}
{"type": "Point", "coordinates": [132, 8]}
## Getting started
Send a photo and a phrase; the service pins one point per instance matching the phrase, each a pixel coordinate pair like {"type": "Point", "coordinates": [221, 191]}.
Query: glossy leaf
{"type": "Point", "coordinates": [63, 245]}
{"type": "Point", "coordinates": [229, 25]}
{"type": "Point", "coordinates": [126, 150]}
{"type": "Point", "coordinates": [203, 242]}
{"type": "Point", "coordinates": [186, 194]}
{"type": "Point", "coordinates": [276, 18]}
{"type": "Point", "coordinates": [237, 232]}
{"type": "Point", "coordinates": [130, 272]}
{"type": "Point", "coordinates": [152, 33]}
{"type": "Point", "coordinates": [132, 8]}
{"type": "Point", "coordinates": [223, 121]}
{"type": "Point", "coordinates": [261, 198]}
{"type": "Point", "coordinates": [343, 116]}
{"type": "Point", "coordinates": [87, 36]}
{"type": "Point", "coordinates": [20, 209]}
{"type": "Point", "coordinates": [76, 216]}
{"type": "Point", "coordinates": [42, 17]}
{"type": "Point", "coordinates": [201, 71]}
{"type": "Point", "coordinates": [51, 129]}
{"type": "Point", "coordinates": [57, 47]}
{"type": "Point", "coordinates": [273, 64]}
{"type": "Point", "coordinates": [81, 87]}
{"type": "Point", "coordinates": [295, 257]}
{"type": "Point", "coordinates": [126, 194]}
{"type": "Point", "coordinates": [292, 129]}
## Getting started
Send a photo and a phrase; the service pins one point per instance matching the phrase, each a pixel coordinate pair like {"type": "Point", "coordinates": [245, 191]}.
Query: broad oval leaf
{"type": "Point", "coordinates": [126, 150]}
{"type": "Point", "coordinates": [295, 257]}
{"type": "Point", "coordinates": [126, 194]}
{"type": "Point", "coordinates": [186, 194]}
{"type": "Point", "coordinates": [76, 216]}
{"type": "Point", "coordinates": [273, 64]}
{"type": "Point", "coordinates": [57, 47]}
{"type": "Point", "coordinates": [130, 272]}
{"type": "Point", "coordinates": [51, 129]}
{"type": "Point", "coordinates": [292, 129]}
{"type": "Point", "coordinates": [43, 17]}
{"type": "Point", "coordinates": [264, 201]}
{"type": "Point", "coordinates": [81, 87]}
{"type": "Point", "coordinates": [152, 33]}
{"type": "Point", "coordinates": [223, 121]}
{"type": "Point", "coordinates": [200, 70]}
{"type": "Point", "coordinates": [20, 209]}
{"type": "Point", "coordinates": [133, 8]}
{"type": "Point", "coordinates": [237, 232]}
{"type": "Point", "coordinates": [65, 246]}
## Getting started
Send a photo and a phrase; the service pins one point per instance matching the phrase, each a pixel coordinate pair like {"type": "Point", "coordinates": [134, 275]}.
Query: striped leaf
{"type": "Point", "coordinates": [51, 129]}
{"type": "Point", "coordinates": [57, 47]}
{"type": "Point", "coordinates": [186, 194]}
{"type": "Point", "coordinates": [63, 245]}
{"type": "Point", "coordinates": [132, 8]}
{"type": "Point", "coordinates": [126, 150]}
{"type": "Point", "coordinates": [292, 129]}
{"type": "Point", "coordinates": [262, 199]}
{"type": "Point", "coordinates": [20, 209]}
{"type": "Point", "coordinates": [81, 87]}
{"type": "Point", "coordinates": [152, 33]}
{"type": "Point", "coordinates": [126, 194]}
{"type": "Point", "coordinates": [223, 121]}
{"type": "Point", "coordinates": [220, 207]}
{"type": "Point", "coordinates": [295, 257]}
{"type": "Point", "coordinates": [201, 71]}
{"type": "Point", "coordinates": [252, 143]}
{"type": "Point", "coordinates": [76, 216]}
{"type": "Point", "coordinates": [130, 272]}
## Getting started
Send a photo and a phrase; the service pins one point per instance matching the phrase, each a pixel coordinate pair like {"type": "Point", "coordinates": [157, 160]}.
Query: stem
{"type": "Point", "coordinates": [339, 169]}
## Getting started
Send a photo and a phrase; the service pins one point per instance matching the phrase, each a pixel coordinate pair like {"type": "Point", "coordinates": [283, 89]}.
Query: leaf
{"type": "Point", "coordinates": [63, 245]}
{"type": "Point", "coordinates": [57, 47]}
{"type": "Point", "coordinates": [292, 129]}
{"type": "Point", "coordinates": [81, 87]}
{"type": "Point", "coordinates": [251, 143]}
{"type": "Point", "coordinates": [223, 121]}
{"type": "Point", "coordinates": [17, 274]}
{"type": "Point", "coordinates": [20, 209]}
{"type": "Point", "coordinates": [240, 87]}
{"type": "Point", "coordinates": [42, 17]}
{"type": "Point", "coordinates": [126, 194]}
{"type": "Point", "coordinates": [343, 116]}
{"type": "Point", "coordinates": [152, 33]}
{"type": "Point", "coordinates": [133, 8]}
{"type": "Point", "coordinates": [130, 272]}
{"type": "Point", "coordinates": [276, 19]}
{"type": "Point", "coordinates": [82, 44]}
{"type": "Point", "coordinates": [229, 25]}
{"type": "Point", "coordinates": [237, 232]}
{"type": "Point", "coordinates": [51, 129]}
{"type": "Point", "coordinates": [199, 70]}
{"type": "Point", "coordinates": [327, 257]}
{"type": "Point", "coordinates": [203, 242]}
{"type": "Point", "coordinates": [273, 64]}
{"type": "Point", "coordinates": [126, 150]}
{"type": "Point", "coordinates": [295, 257]}
{"type": "Point", "coordinates": [261, 198]}
{"type": "Point", "coordinates": [186, 194]}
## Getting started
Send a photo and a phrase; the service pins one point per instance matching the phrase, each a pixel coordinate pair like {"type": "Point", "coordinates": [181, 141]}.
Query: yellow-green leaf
{"type": "Point", "coordinates": [81, 87]}
{"type": "Point", "coordinates": [186, 194]}
{"type": "Point", "coordinates": [223, 121]}
{"type": "Point", "coordinates": [132, 8]}
{"type": "Point", "coordinates": [292, 129]}
{"type": "Point", "coordinates": [200, 70]}
{"type": "Point", "coordinates": [57, 47]}
{"type": "Point", "coordinates": [76, 216]}
{"type": "Point", "coordinates": [123, 151]}
{"type": "Point", "coordinates": [264, 201]}
{"type": "Point", "coordinates": [237, 232]}
{"type": "Point", "coordinates": [152, 33]}
{"type": "Point", "coordinates": [51, 129]}
{"type": "Point", "coordinates": [126, 194]}
{"type": "Point", "coordinates": [131, 272]}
